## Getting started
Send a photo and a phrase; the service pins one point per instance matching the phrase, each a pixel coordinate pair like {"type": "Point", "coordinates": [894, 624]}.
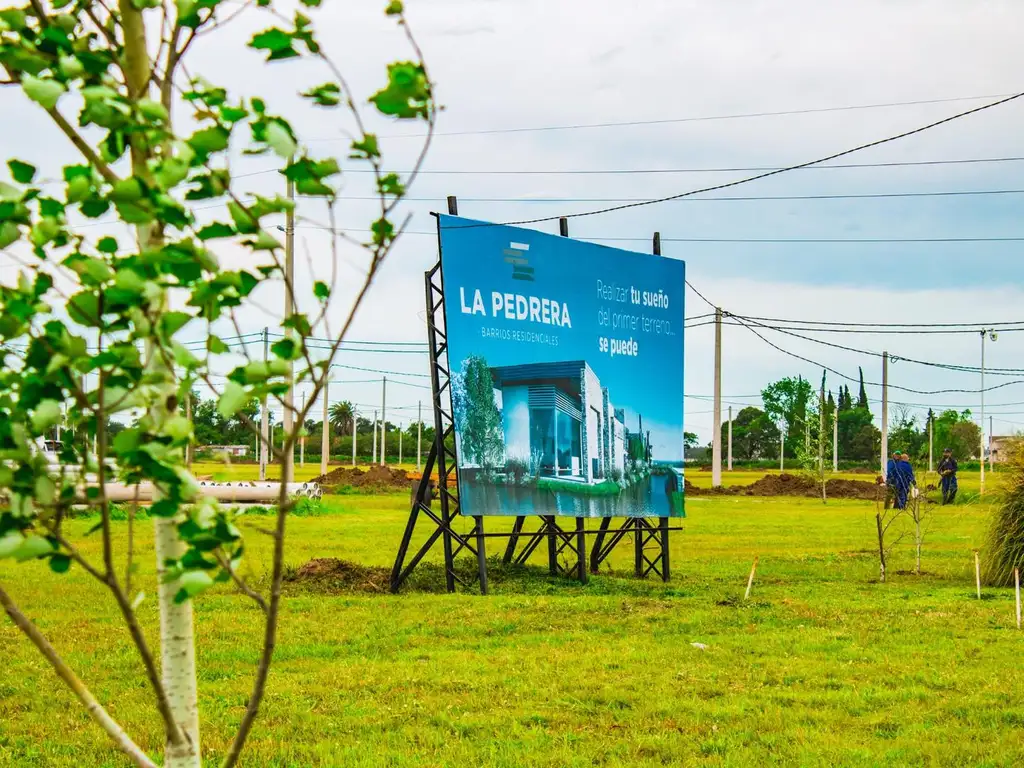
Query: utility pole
{"type": "Point", "coordinates": [885, 410]}
{"type": "Point", "coordinates": [419, 436]}
{"type": "Point", "coordinates": [991, 434]}
{"type": "Point", "coordinates": [188, 415]}
{"type": "Point", "coordinates": [835, 439]}
{"type": "Point", "coordinates": [354, 436]}
{"type": "Point", "coordinates": [383, 421]}
{"type": "Point", "coordinates": [302, 428]}
{"type": "Point", "coordinates": [264, 441]}
{"type": "Point", "coordinates": [782, 448]}
{"type": "Point", "coordinates": [716, 436]}
{"type": "Point", "coordinates": [287, 468]}
{"type": "Point", "coordinates": [730, 439]}
{"type": "Point", "coordinates": [325, 440]}
{"type": "Point", "coordinates": [931, 442]}
{"type": "Point", "coordinates": [821, 430]}
{"type": "Point", "coordinates": [981, 456]}
{"type": "Point", "coordinates": [399, 445]}
{"type": "Point", "coordinates": [374, 457]}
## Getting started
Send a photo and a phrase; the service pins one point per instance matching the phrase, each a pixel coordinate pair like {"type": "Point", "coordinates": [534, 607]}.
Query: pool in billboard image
{"type": "Point", "coordinates": [567, 374]}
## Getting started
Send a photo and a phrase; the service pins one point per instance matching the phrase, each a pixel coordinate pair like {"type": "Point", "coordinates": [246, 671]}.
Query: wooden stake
{"type": "Point", "coordinates": [1016, 584]}
{"type": "Point", "coordinates": [750, 581]}
{"type": "Point", "coordinates": [977, 572]}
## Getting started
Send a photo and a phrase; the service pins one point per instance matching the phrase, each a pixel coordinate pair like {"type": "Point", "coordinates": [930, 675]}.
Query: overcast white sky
{"type": "Point", "coordinates": [529, 63]}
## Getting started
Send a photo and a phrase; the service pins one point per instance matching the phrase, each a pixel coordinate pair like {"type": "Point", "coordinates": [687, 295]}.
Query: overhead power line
{"type": "Point", "coordinates": [677, 120]}
{"type": "Point", "coordinates": [893, 358]}
{"type": "Point", "coordinates": [637, 171]}
{"type": "Point", "coordinates": [876, 143]}
{"type": "Point", "coordinates": [869, 331]}
{"type": "Point", "coordinates": [722, 199]}
{"type": "Point", "coordinates": [975, 327]}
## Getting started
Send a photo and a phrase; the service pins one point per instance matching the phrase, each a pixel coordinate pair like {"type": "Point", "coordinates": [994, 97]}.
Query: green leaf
{"type": "Point", "coordinates": [366, 149]}
{"type": "Point", "coordinates": [215, 230]}
{"type": "Point", "coordinates": [232, 399]}
{"type": "Point", "coordinates": [391, 184]}
{"type": "Point", "coordinates": [10, 543]}
{"type": "Point", "coordinates": [407, 94]}
{"type": "Point", "coordinates": [60, 563]}
{"type": "Point", "coordinates": [84, 309]}
{"type": "Point", "coordinates": [246, 221]}
{"type": "Point", "coordinates": [395, 8]}
{"type": "Point", "coordinates": [191, 584]}
{"type": "Point", "coordinates": [170, 172]}
{"type": "Point", "coordinates": [311, 3]}
{"type": "Point", "coordinates": [46, 414]}
{"type": "Point", "coordinates": [9, 234]}
{"type": "Point", "coordinates": [23, 173]}
{"type": "Point", "coordinates": [286, 349]}
{"type": "Point", "coordinates": [275, 40]}
{"type": "Point", "coordinates": [280, 139]}
{"type": "Point", "coordinates": [153, 111]}
{"type": "Point", "coordinates": [209, 140]}
{"type": "Point", "coordinates": [71, 67]}
{"type": "Point", "coordinates": [321, 290]}
{"type": "Point", "coordinates": [263, 242]}
{"type": "Point", "coordinates": [326, 95]}
{"type": "Point", "coordinates": [178, 428]}
{"type": "Point", "coordinates": [216, 346]}
{"type": "Point", "coordinates": [45, 93]}
{"type": "Point", "coordinates": [127, 191]}
{"type": "Point", "coordinates": [172, 322]}
{"type": "Point", "coordinates": [32, 547]}
{"type": "Point", "coordinates": [107, 245]}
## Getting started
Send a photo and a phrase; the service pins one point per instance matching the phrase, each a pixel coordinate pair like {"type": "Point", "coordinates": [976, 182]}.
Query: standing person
{"type": "Point", "coordinates": [892, 480]}
{"type": "Point", "coordinates": [908, 473]}
{"type": "Point", "coordinates": [901, 477]}
{"type": "Point", "coordinates": [947, 471]}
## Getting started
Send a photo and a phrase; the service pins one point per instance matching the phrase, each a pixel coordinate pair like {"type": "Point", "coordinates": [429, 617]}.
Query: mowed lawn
{"type": "Point", "coordinates": [822, 666]}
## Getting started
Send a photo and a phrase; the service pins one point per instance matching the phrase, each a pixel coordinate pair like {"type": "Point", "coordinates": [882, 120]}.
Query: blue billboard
{"type": "Point", "coordinates": [567, 373]}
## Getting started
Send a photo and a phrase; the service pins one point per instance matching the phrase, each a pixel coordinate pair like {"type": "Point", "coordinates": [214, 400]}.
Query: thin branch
{"type": "Point", "coordinates": [65, 673]}
{"type": "Point", "coordinates": [95, 160]}
{"type": "Point", "coordinates": [244, 588]}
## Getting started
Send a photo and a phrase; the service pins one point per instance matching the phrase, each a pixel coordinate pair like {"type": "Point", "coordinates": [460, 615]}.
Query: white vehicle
{"type": "Point", "coordinates": [51, 450]}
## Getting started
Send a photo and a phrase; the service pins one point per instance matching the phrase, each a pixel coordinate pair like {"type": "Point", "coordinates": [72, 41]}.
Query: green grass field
{"type": "Point", "coordinates": [822, 666]}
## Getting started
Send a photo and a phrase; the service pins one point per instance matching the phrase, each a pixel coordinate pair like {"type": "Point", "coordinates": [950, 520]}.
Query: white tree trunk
{"type": "Point", "coordinates": [177, 651]}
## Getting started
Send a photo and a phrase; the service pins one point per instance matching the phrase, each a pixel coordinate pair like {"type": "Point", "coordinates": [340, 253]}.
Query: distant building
{"type": "Point", "coordinates": [230, 450]}
{"type": "Point", "coordinates": [1000, 447]}
{"type": "Point", "coordinates": [558, 418]}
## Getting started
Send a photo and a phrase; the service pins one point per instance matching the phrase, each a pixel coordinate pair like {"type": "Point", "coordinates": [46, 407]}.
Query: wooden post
{"type": "Point", "coordinates": [977, 572]}
{"type": "Point", "coordinates": [750, 581]}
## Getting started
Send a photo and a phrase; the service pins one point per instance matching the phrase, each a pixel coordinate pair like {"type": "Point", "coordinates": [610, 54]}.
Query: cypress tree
{"type": "Point", "coordinates": [862, 399]}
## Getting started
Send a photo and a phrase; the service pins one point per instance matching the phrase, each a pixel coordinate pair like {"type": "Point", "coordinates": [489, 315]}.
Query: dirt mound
{"type": "Point", "coordinates": [331, 574]}
{"type": "Point", "coordinates": [792, 485]}
{"type": "Point", "coordinates": [376, 477]}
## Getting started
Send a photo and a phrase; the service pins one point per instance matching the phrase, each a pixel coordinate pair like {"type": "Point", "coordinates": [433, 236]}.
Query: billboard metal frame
{"type": "Point", "coordinates": [566, 548]}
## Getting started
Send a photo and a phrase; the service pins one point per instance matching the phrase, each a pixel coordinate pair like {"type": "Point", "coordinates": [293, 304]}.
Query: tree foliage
{"type": "Point", "coordinates": [754, 435]}
{"type": "Point", "coordinates": [112, 78]}
{"type": "Point", "coordinates": [481, 438]}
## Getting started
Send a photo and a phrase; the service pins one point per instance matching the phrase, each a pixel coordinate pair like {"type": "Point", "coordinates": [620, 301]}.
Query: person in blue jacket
{"type": "Point", "coordinates": [892, 479]}
{"type": "Point", "coordinates": [947, 471]}
{"type": "Point", "coordinates": [908, 472]}
{"type": "Point", "coordinates": [899, 478]}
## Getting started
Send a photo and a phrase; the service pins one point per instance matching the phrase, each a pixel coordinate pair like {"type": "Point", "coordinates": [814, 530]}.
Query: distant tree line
{"type": "Point", "coordinates": [791, 409]}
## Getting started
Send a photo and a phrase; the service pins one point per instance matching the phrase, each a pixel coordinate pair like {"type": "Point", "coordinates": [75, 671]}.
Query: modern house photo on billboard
{"type": "Point", "coordinates": [553, 428]}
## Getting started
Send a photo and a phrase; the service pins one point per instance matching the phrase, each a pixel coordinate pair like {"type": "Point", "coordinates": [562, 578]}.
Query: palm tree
{"type": "Point", "coordinates": [341, 416]}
